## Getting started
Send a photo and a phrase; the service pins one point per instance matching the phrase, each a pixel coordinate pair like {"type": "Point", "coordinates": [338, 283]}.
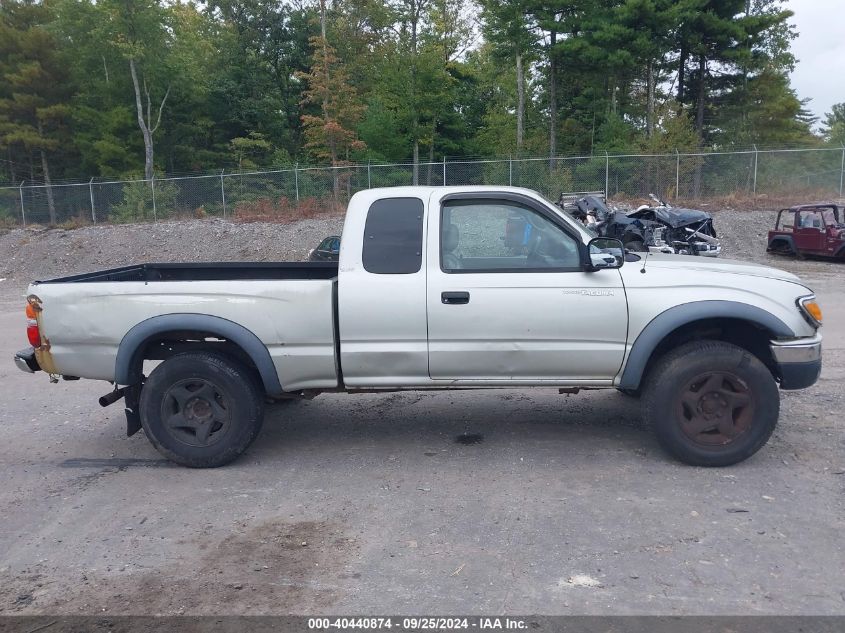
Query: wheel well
{"type": "Point", "coordinates": [781, 240]}
{"type": "Point", "coordinates": [165, 345]}
{"type": "Point", "coordinates": [745, 334]}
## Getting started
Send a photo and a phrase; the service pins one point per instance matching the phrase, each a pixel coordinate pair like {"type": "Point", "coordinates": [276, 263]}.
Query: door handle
{"type": "Point", "coordinates": [454, 298]}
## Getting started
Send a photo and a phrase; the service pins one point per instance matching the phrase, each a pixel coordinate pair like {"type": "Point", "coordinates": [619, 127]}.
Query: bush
{"type": "Point", "coordinates": [137, 203]}
{"type": "Point", "coordinates": [285, 210]}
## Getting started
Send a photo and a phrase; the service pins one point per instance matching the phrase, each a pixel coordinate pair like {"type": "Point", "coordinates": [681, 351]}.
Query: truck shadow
{"type": "Point", "coordinates": [433, 423]}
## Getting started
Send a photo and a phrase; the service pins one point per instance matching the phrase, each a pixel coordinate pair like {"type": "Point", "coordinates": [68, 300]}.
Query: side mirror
{"type": "Point", "coordinates": [605, 252]}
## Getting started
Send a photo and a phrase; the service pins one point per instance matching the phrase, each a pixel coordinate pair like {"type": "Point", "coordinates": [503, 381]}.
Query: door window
{"type": "Point", "coordinates": [502, 236]}
{"type": "Point", "coordinates": [812, 220]}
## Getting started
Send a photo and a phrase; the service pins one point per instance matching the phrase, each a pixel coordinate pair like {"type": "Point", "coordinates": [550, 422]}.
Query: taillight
{"type": "Point", "coordinates": [32, 332]}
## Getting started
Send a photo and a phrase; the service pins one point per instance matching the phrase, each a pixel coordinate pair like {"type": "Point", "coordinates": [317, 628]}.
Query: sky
{"type": "Point", "coordinates": [820, 49]}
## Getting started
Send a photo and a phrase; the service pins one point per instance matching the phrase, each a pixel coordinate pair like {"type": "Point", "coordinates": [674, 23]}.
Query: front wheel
{"type": "Point", "coordinates": [711, 403]}
{"type": "Point", "coordinates": [201, 409]}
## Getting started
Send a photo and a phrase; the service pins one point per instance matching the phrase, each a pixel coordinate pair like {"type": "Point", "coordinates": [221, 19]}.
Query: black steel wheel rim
{"type": "Point", "coordinates": [715, 408]}
{"type": "Point", "coordinates": [196, 412]}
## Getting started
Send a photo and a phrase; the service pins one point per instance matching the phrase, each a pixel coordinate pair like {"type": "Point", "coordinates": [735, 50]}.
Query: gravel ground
{"type": "Point", "coordinates": [40, 253]}
{"type": "Point", "coordinates": [376, 504]}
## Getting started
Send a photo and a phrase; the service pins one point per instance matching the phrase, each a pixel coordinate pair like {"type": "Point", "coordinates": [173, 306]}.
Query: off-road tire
{"type": "Point", "coordinates": [215, 393]}
{"type": "Point", "coordinates": [675, 405]}
{"type": "Point", "coordinates": [781, 247]}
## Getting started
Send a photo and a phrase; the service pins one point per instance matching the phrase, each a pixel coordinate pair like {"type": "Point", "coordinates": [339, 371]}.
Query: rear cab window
{"type": "Point", "coordinates": [393, 236]}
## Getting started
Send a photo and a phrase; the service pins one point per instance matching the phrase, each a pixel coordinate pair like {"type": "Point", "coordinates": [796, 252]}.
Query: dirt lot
{"type": "Point", "coordinates": [370, 504]}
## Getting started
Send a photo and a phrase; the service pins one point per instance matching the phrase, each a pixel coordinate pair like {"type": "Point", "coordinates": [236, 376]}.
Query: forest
{"type": "Point", "coordinates": [119, 88]}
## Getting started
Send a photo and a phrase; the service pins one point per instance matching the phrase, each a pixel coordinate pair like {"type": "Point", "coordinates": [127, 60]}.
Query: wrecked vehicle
{"type": "Point", "coordinates": [809, 229]}
{"type": "Point", "coordinates": [326, 251]}
{"type": "Point", "coordinates": [657, 228]}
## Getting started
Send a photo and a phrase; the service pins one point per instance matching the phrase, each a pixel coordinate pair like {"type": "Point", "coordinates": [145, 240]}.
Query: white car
{"type": "Point", "coordinates": [428, 294]}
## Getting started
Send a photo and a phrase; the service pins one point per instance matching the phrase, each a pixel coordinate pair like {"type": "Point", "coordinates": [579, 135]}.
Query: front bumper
{"type": "Point", "coordinates": [799, 361]}
{"type": "Point", "coordinates": [26, 361]}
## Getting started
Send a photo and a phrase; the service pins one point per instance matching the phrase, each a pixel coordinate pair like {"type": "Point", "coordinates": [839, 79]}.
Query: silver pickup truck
{"type": "Point", "coordinates": [436, 288]}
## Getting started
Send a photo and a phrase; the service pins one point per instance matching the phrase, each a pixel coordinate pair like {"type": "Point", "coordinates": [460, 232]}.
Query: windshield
{"type": "Point", "coordinates": [588, 232]}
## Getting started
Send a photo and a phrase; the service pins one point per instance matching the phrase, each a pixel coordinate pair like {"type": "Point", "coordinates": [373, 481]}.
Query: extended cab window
{"type": "Point", "coordinates": [393, 236]}
{"type": "Point", "coordinates": [500, 236]}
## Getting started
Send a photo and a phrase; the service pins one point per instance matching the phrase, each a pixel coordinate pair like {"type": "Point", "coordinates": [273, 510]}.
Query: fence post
{"type": "Point", "coordinates": [296, 180]}
{"type": "Point", "coordinates": [444, 170]}
{"type": "Point", "coordinates": [153, 187]}
{"type": "Point", "coordinates": [754, 190]}
{"type": "Point", "coordinates": [842, 171]}
{"type": "Point", "coordinates": [369, 181]}
{"type": "Point", "coordinates": [91, 194]}
{"type": "Point", "coordinates": [223, 191]}
{"type": "Point", "coordinates": [23, 213]}
{"type": "Point", "coordinates": [510, 170]}
{"type": "Point", "coordinates": [606, 175]}
{"type": "Point", "coordinates": [677, 174]}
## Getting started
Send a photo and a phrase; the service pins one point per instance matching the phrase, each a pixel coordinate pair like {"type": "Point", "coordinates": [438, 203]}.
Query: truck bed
{"type": "Point", "coordinates": [216, 271]}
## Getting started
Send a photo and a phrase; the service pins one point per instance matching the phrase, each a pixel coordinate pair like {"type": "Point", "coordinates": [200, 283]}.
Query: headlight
{"type": "Point", "coordinates": [810, 310]}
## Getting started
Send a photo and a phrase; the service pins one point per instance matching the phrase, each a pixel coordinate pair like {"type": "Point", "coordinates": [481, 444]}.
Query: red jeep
{"type": "Point", "coordinates": [809, 229]}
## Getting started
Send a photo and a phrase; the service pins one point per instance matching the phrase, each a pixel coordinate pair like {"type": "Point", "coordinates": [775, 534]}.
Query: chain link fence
{"type": "Point", "coordinates": [299, 191]}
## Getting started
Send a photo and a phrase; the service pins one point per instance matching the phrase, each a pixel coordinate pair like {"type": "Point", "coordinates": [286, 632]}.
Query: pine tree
{"type": "Point", "coordinates": [833, 126]}
{"type": "Point", "coordinates": [34, 89]}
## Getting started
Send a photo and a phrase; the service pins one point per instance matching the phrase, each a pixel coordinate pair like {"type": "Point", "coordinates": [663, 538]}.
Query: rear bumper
{"type": "Point", "coordinates": [26, 361]}
{"type": "Point", "coordinates": [799, 361]}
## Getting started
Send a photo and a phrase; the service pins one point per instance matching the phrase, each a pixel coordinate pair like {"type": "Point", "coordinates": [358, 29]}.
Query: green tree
{"type": "Point", "coordinates": [507, 28]}
{"type": "Point", "coordinates": [833, 126]}
{"type": "Point", "coordinates": [262, 49]}
{"type": "Point", "coordinates": [34, 90]}
{"type": "Point", "coordinates": [138, 31]}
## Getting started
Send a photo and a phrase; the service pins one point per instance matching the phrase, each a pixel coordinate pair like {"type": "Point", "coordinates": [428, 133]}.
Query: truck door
{"type": "Point", "coordinates": [810, 233]}
{"type": "Point", "coordinates": [509, 300]}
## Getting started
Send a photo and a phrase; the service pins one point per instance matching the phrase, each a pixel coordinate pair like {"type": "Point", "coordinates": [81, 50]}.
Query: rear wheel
{"type": "Point", "coordinates": [201, 409]}
{"type": "Point", "coordinates": [711, 403]}
{"type": "Point", "coordinates": [781, 247]}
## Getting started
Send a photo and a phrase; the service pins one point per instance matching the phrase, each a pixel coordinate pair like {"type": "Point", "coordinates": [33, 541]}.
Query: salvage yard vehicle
{"type": "Point", "coordinates": [656, 228]}
{"type": "Point", "coordinates": [427, 295]}
{"type": "Point", "coordinates": [809, 229]}
{"type": "Point", "coordinates": [327, 251]}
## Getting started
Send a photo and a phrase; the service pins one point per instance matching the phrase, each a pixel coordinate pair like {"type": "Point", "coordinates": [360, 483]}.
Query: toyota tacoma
{"type": "Point", "coordinates": [428, 294]}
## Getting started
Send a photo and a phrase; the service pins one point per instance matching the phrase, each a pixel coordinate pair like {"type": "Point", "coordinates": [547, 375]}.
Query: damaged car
{"type": "Point", "coordinates": [656, 228]}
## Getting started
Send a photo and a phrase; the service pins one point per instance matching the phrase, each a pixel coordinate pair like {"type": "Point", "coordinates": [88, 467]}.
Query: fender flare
{"type": "Point", "coordinates": [782, 238]}
{"type": "Point", "coordinates": [125, 372]}
{"type": "Point", "coordinates": [673, 318]}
